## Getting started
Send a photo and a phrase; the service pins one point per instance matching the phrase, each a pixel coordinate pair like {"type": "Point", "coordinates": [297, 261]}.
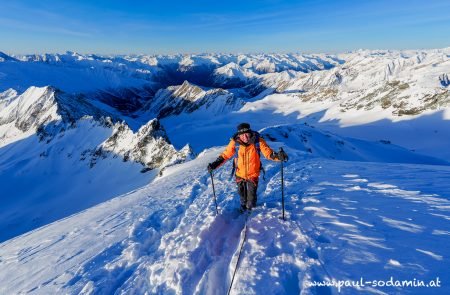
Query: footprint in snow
{"type": "Point", "coordinates": [312, 253]}
{"type": "Point", "coordinates": [323, 239]}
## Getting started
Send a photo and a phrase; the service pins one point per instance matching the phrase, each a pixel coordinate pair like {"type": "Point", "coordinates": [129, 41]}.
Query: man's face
{"type": "Point", "coordinates": [244, 137]}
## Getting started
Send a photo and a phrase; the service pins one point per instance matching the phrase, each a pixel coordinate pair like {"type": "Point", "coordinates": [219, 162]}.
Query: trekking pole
{"type": "Point", "coordinates": [214, 192]}
{"type": "Point", "coordinates": [282, 183]}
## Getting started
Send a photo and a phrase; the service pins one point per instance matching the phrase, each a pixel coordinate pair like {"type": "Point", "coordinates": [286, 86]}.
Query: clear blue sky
{"type": "Point", "coordinates": [166, 26]}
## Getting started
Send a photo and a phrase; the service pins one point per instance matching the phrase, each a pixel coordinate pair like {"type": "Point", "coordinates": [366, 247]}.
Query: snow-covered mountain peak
{"type": "Point", "coordinates": [41, 105]}
{"type": "Point", "coordinates": [46, 112]}
{"type": "Point", "coordinates": [188, 152]}
{"type": "Point", "coordinates": [36, 106]}
{"type": "Point", "coordinates": [187, 98]}
{"type": "Point", "coordinates": [8, 93]}
{"type": "Point", "coordinates": [5, 57]}
{"type": "Point", "coordinates": [149, 146]}
{"type": "Point", "coordinates": [231, 69]}
{"type": "Point", "coordinates": [187, 91]}
{"type": "Point", "coordinates": [233, 75]}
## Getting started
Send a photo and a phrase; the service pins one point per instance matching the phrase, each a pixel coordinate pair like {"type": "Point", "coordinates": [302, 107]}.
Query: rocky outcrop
{"type": "Point", "coordinates": [149, 146]}
{"type": "Point", "coordinates": [187, 98]}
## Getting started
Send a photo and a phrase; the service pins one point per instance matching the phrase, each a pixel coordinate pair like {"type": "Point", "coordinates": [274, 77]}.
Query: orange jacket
{"type": "Point", "coordinates": [248, 165]}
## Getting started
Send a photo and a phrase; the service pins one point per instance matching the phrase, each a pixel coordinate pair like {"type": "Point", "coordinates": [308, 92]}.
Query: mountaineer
{"type": "Point", "coordinates": [247, 145]}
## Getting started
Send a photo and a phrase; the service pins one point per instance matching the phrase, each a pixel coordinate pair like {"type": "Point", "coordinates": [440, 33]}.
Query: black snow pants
{"type": "Point", "coordinates": [247, 192]}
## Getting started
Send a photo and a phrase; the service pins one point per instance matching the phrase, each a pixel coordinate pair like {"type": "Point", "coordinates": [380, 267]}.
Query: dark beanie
{"type": "Point", "coordinates": [243, 128]}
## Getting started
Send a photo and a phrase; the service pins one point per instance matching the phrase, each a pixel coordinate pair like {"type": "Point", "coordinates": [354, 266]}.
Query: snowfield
{"type": "Point", "coordinates": [104, 187]}
{"type": "Point", "coordinates": [344, 220]}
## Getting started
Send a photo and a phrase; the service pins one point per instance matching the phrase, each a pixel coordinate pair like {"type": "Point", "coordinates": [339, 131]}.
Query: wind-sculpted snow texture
{"type": "Point", "coordinates": [165, 238]}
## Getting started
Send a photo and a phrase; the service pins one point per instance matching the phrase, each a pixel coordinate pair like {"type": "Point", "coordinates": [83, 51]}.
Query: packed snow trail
{"type": "Point", "coordinates": [243, 240]}
{"type": "Point", "coordinates": [165, 238]}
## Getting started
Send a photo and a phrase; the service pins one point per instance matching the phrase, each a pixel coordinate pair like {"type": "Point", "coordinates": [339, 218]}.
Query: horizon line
{"type": "Point", "coordinates": [225, 52]}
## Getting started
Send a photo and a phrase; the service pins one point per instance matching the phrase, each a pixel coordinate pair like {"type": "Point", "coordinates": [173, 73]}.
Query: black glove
{"type": "Point", "coordinates": [274, 156]}
{"type": "Point", "coordinates": [282, 156]}
{"type": "Point", "coordinates": [215, 164]}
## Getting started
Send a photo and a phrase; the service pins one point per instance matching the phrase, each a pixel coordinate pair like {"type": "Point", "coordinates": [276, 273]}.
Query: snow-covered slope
{"type": "Point", "coordinates": [77, 130]}
{"type": "Point", "coordinates": [25, 114]}
{"type": "Point", "coordinates": [43, 182]}
{"type": "Point", "coordinates": [49, 176]}
{"type": "Point", "coordinates": [327, 145]}
{"type": "Point", "coordinates": [60, 154]}
{"type": "Point", "coordinates": [344, 221]}
{"type": "Point", "coordinates": [427, 133]}
{"type": "Point", "coordinates": [233, 75]}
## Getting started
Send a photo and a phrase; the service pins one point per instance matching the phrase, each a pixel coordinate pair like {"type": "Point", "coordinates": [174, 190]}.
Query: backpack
{"type": "Point", "coordinates": [236, 153]}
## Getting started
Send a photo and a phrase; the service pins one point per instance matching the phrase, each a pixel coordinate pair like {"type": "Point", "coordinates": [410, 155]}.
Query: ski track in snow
{"type": "Point", "coordinates": [344, 220]}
